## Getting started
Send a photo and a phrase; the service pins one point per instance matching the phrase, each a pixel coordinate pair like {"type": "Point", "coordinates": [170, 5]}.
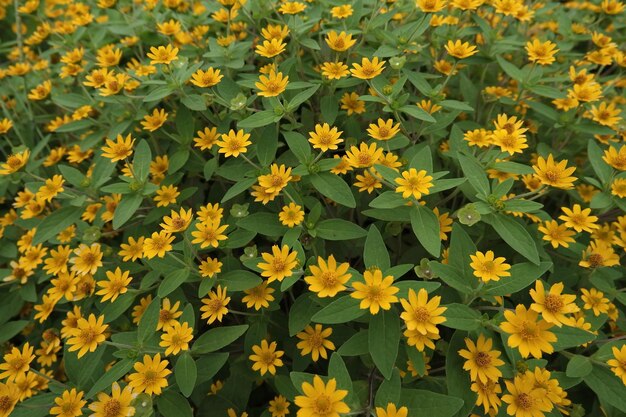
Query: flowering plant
{"type": "Point", "coordinates": [323, 208]}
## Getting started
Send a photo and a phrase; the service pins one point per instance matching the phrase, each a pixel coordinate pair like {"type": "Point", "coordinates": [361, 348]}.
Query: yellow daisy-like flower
{"type": "Point", "coordinates": [553, 305]}
{"type": "Point", "coordinates": [115, 405]}
{"type": "Point", "coordinates": [489, 268]}
{"type": "Point", "coordinates": [279, 406]}
{"type": "Point", "coordinates": [526, 333]}
{"type": "Point", "coordinates": [327, 278]}
{"type": "Point", "coordinates": [155, 120]}
{"type": "Point", "coordinates": [314, 340]}
{"type": "Point", "coordinates": [482, 362]}
{"type": "Point", "coordinates": [368, 69]}
{"type": "Point", "coordinates": [150, 376]}
{"type": "Point", "coordinates": [87, 260]}
{"type": "Point", "coordinates": [14, 162]}
{"type": "Point", "coordinates": [414, 183]}
{"type": "Point", "coordinates": [205, 79]}
{"type": "Point", "coordinates": [616, 158]}
{"type": "Point", "coordinates": [158, 244]}
{"type": "Point", "coordinates": [325, 138]}
{"type": "Point", "coordinates": [162, 54]}
{"type": "Point", "coordinates": [272, 85]}
{"type": "Point", "coordinates": [392, 411]}
{"type": "Point", "coordinates": [460, 50]}
{"type": "Point", "coordinates": [209, 267]}
{"type": "Point", "coordinates": [115, 285]}
{"type": "Point", "coordinates": [88, 334]}
{"type": "Point", "coordinates": [595, 300]}
{"type": "Point", "coordinates": [176, 338]}
{"type": "Point", "coordinates": [17, 362]}
{"type": "Point", "coordinates": [168, 314]}
{"type": "Point", "coordinates": [214, 307]}
{"type": "Point", "coordinates": [334, 70]}
{"type": "Point", "coordinates": [266, 358]}
{"type": "Point", "coordinates": [339, 42]}
{"type": "Point", "coordinates": [578, 219]}
{"type": "Point", "coordinates": [279, 264]}
{"type": "Point", "coordinates": [69, 404]}
{"type": "Point", "coordinates": [292, 7]}
{"type": "Point", "coordinates": [431, 6]}
{"type": "Point", "coordinates": [422, 314]}
{"type": "Point", "coordinates": [291, 215]}
{"type": "Point", "coordinates": [271, 48]}
{"type": "Point", "coordinates": [341, 12]}
{"type": "Point", "coordinates": [555, 174]}
{"type": "Point", "coordinates": [51, 188]}
{"type": "Point", "coordinates": [132, 250]}
{"type": "Point", "coordinates": [376, 293]}
{"type": "Point", "coordinates": [209, 233]}
{"type": "Point", "coordinates": [618, 363]}
{"type": "Point", "coordinates": [259, 296]}
{"type": "Point", "coordinates": [234, 143]}
{"type": "Point", "coordinates": [541, 53]}
{"type": "Point", "coordinates": [557, 234]}
{"type": "Point", "coordinates": [177, 221]}
{"type": "Point", "coordinates": [364, 156]}
{"type": "Point", "coordinates": [383, 129]}
{"type": "Point", "coordinates": [118, 149]}
{"type": "Point", "coordinates": [206, 138]}
{"type": "Point", "coordinates": [487, 395]}
{"type": "Point", "coordinates": [524, 399]}
{"type": "Point", "coordinates": [321, 400]}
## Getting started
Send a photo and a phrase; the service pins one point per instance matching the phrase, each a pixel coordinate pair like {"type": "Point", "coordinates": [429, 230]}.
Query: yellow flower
{"type": "Point", "coordinates": [209, 267]}
{"type": "Point", "coordinates": [266, 358]}
{"type": "Point", "coordinates": [234, 143]}
{"type": "Point", "coordinates": [321, 400]}
{"type": "Point", "coordinates": [206, 138]}
{"type": "Point", "coordinates": [214, 306]}
{"type": "Point", "coordinates": [421, 314]}
{"type": "Point", "coordinates": [292, 7]}
{"type": "Point", "coordinates": [327, 278]}
{"type": "Point", "coordinates": [177, 221]}
{"type": "Point", "coordinates": [168, 314]}
{"type": "Point", "coordinates": [509, 134]}
{"type": "Point", "coordinates": [351, 104]}
{"type": "Point", "coordinates": [155, 120]}
{"type": "Point", "coordinates": [339, 42]}
{"type": "Point", "coordinates": [578, 219]}
{"type": "Point", "coordinates": [157, 245]}
{"type": "Point", "coordinates": [132, 250]}
{"type": "Point", "coordinates": [279, 32]}
{"type": "Point", "coordinates": [594, 300]}
{"type": "Point", "coordinates": [279, 406]}
{"type": "Point", "coordinates": [176, 338]}
{"type": "Point", "coordinates": [279, 264]}
{"type": "Point", "coordinates": [116, 284]}
{"type": "Point", "coordinates": [315, 341]}
{"type": "Point", "coordinates": [367, 182]}
{"type": "Point", "coordinates": [87, 260]}
{"type": "Point", "coordinates": [530, 336]}
{"type": "Point", "coordinates": [376, 293]}
{"type": "Point", "coordinates": [291, 215]}
{"type": "Point", "coordinates": [557, 234]}
{"type": "Point", "coordinates": [169, 28]}
{"type": "Point", "coordinates": [431, 6]}
{"type": "Point", "coordinates": [587, 92]}
{"type": "Point", "coordinates": [487, 395]}
{"type": "Point", "coordinates": [392, 411]}
{"type": "Point", "coordinates": [41, 91]}
{"type": "Point", "coordinates": [524, 400]}
{"type": "Point", "coordinates": [419, 340]}
{"type": "Point", "coordinates": [367, 69]}
{"type": "Point", "coordinates": [482, 362]}
{"type": "Point", "coordinates": [618, 187]}
{"type": "Point", "coordinates": [209, 233]}
{"type": "Point", "coordinates": [150, 376]}
{"type": "Point", "coordinates": [207, 78]}
{"type": "Point", "coordinates": [541, 53]}
{"type": "Point", "coordinates": [9, 396]}
{"type": "Point", "coordinates": [162, 54]}
{"type": "Point", "coordinates": [334, 70]}
{"type": "Point", "coordinates": [618, 363]}
{"type": "Point", "coordinates": [88, 334]}
{"type": "Point", "coordinates": [606, 114]}
{"type": "Point", "coordinates": [14, 162]}
{"type": "Point", "coordinates": [460, 50]}
{"type": "Point", "coordinates": [115, 405]}
{"type": "Point", "coordinates": [555, 174]}
{"type": "Point", "coordinates": [119, 149]}
{"type": "Point", "coordinates": [272, 85]}
{"type": "Point", "coordinates": [383, 130]}
{"type": "Point", "coordinates": [271, 48]}
{"type": "Point", "coordinates": [57, 262]}
{"type": "Point", "coordinates": [325, 138]}
{"type": "Point", "coordinates": [51, 188]}
{"type": "Point", "coordinates": [553, 305]}
{"type": "Point", "coordinates": [277, 179]}
{"type": "Point", "coordinates": [414, 183]}
{"type": "Point", "coordinates": [17, 362]}
{"type": "Point", "coordinates": [599, 254]}
{"type": "Point", "coordinates": [364, 156]}
{"type": "Point", "coordinates": [259, 296]}
{"type": "Point", "coordinates": [341, 12]}
{"type": "Point", "coordinates": [489, 268]}
{"type": "Point", "coordinates": [615, 158]}
{"type": "Point", "coordinates": [69, 404]}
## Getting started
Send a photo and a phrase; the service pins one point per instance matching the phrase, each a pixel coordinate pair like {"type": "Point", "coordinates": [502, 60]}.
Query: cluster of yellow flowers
{"type": "Point", "coordinates": [315, 208]}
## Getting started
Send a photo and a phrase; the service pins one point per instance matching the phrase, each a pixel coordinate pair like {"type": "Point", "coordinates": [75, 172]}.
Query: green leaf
{"type": "Point", "coordinates": [461, 247]}
{"type": "Point", "coordinates": [172, 281]}
{"type": "Point", "coordinates": [384, 340]}
{"type": "Point", "coordinates": [607, 386]}
{"type": "Point", "coordinates": [418, 113]}
{"type": "Point", "coordinates": [72, 175]}
{"type": "Point", "coordinates": [389, 391]}
{"type": "Point", "coordinates": [264, 223]}
{"type": "Point", "coordinates": [158, 93]}
{"type": "Point", "coordinates": [125, 209]}
{"type": "Point", "coordinates": [339, 229]}
{"type": "Point", "coordinates": [300, 313]}
{"type": "Point", "coordinates": [425, 225]}
{"type": "Point", "coordinates": [186, 373]}
{"type": "Point", "coordinates": [375, 252]}
{"type": "Point", "coordinates": [522, 275]}
{"type": "Point", "coordinates": [217, 338]}
{"type": "Point", "coordinates": [194, 102]}
{"type": "Point", "coordinates": [457, 379]}
{"type": "Point", "coordinates": [149, 320]}
{"type": "Point", "coordinates": [115, 373]}
{"type": "Point", "coordinates": [601, 168]}
{"type": "Point", "coordinates": [239, 280]}
{"type": "Point", "coordinates": [515, 235]}
{"type": "Point", "coordinates": [116, 309]}
{"type": "Point", "coordinates": [330, 107]}
{"type": "Point", "coordinates": [357, 345]}
{"type": "Point", "coordinates": [54, 223]}
{"type": "Point", "coordinates": [301, 97]}
{"type": "Point", "coordinates": [238, 188]}
{"type": "Point", "coordinates": [333, 187]}
{"type": "Point", "coordinates": [428, 403]}
{"type": "Point", "coordinates": [388, 199]}
{"type": "Point", "coordinates": [299, 145]}
{"type": "Point", "coordinates": [406, 285]}
{"type": "Point", "coordinates": [337, 369]}
{"type": "Point", "coordinates": [475, 174]}
{"type": "Point", "coordinates": [209, 364]}
{"type": "Point", "coordinates": [569, 337]}
{"type": "Point", "coordinates": [341, 310]}
{"type": "Point", "coordinates": [452, 276]}
{"type": "Point", "coordinates": [172, 404]}
{"type": "Point", "coordinates": [12, 328]}
{"type": "Point", "coordinates": [510, 69]}
{"type": "Point", "coordinates": [266, 145]}
{"type": "Point", "coordinates": [578, 367]}
{"type": "Point", "coordinates": [141, 160]}
{"type": "Point", "coordinates": [462, 317]}
{"type": "Point", "coordinates": [259, 119]}
{"type": "Point", "coordinates": [456, 105]}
